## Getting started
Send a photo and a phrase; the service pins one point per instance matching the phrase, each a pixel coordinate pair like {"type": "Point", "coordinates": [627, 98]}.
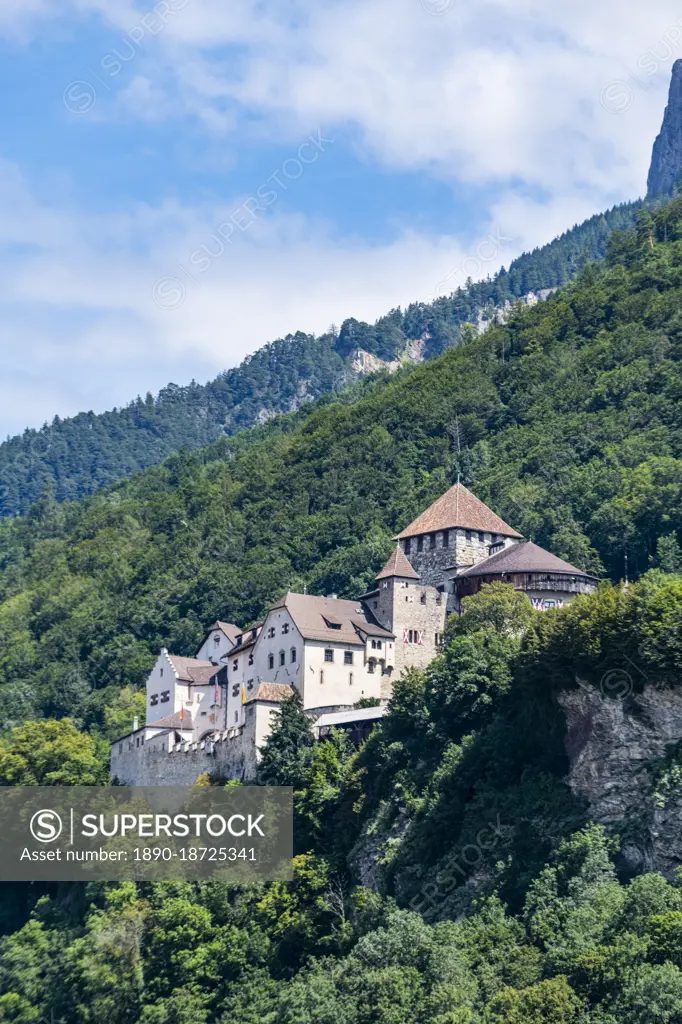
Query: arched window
{"type": "Point", "coordinates": [271, 660]}
{"type": "Point", "coordinates": [293, 655]}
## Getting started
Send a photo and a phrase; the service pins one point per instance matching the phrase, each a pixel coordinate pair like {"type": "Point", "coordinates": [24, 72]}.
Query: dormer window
{"type": "Point", "coordinates": [238, 640]}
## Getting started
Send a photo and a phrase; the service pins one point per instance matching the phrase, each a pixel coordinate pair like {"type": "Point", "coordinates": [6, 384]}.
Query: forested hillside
{"type": "Point", "coordinates": [566, 421]}
{"type": "Point", "coordinates": [78, 456]}
{"type": "Point", "coordinates": [444, 874]}
{"type": "Point", "coordinates": [448, 872]}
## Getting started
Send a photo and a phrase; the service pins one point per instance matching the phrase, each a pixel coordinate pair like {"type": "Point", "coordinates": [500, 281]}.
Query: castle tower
{"type": "Point", "coordinates": [455, 533]}
{"type": "Point", "coordinates": [413, 612]}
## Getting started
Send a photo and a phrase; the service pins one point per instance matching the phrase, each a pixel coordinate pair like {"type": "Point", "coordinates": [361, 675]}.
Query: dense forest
{"type": "Point", "coordinates": [444, 873]}
{"type": "Point", "coordinates": [565, 420]}
{"type": "Point", "coordinates": [80, 455]}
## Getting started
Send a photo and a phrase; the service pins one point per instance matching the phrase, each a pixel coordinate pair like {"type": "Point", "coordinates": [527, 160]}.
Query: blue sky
{"type": "Point", "coordinates": [182, 181]}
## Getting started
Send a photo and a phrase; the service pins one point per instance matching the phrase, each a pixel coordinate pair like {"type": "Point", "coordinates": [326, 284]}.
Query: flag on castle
{"type": "Point", "coordinates": [243, 694]}
{"type": "Point", "coordinates": [217, 694]}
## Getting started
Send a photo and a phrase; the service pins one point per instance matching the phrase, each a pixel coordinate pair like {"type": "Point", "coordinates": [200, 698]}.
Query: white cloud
{"type": "Point", "coordinates": [77, 307]}
{"type": "Point", "coordinates": [504, 92]}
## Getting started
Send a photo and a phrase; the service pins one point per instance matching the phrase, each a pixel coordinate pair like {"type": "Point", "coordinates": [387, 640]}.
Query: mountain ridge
{"type": "Point", "coordinates": [79, 455]}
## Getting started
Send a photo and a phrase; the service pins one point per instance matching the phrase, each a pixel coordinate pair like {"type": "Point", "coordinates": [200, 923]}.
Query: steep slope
{"type": "Point", "coordinates": [666, 161]}
{"type": "Point", "coordinates": [565, 420]}
{"type": "Point", "coordinates": [78, 456]}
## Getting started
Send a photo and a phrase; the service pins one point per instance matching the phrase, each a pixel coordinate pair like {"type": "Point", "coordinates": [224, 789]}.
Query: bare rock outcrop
{"type": "Point", "coordinates": [617, 748]}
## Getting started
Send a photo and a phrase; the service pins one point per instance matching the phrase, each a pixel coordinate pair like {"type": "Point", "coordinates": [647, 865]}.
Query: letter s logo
{"type": "Point", "coordinates": [46, 826]}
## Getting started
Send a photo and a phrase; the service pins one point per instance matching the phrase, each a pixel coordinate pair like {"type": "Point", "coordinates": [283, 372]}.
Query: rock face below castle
{"type": "Point", "coordinates": [666, 161]}
{"type": "Point", "coordinates": [616, 746]}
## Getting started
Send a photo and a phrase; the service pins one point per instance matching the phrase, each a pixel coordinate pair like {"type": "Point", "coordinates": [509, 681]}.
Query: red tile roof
{"type": "Point", "coordinates": [398, 565]}
{"type": "Point", "coordinates": [191, 670]}
{"type": "Point", "coordinates": [458, 508]}
{"type": "Point", "coordinates": [312, 614]}
{"type": "Point", "coordinates": [274, 693]}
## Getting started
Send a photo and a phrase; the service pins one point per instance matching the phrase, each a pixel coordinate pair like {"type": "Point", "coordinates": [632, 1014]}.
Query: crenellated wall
{"type": "Point", "coordinates": [160, 761]}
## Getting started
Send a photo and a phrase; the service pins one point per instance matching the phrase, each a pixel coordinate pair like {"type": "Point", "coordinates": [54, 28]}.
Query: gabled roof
{"type": "Point", "coordinates": [172, 721]}
{"type": "Point", "coordinates": [227, 628]}
{"type": "Point", "coordinates": [398, 565]}
{"type": "Point", "coordinates": [525, 557]}
{"type": "Point", "coordinates": [458, 507]}
{"type": "Point", "coordinates": [311, 616]}
{"type": "Point", "coordinates": [273, 693]}
{"type": "Point", "coordinates": [191, 670]}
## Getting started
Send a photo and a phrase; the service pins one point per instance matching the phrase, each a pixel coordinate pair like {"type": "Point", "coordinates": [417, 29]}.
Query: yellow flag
{"type": "Point", "coordinates": [243, 694]}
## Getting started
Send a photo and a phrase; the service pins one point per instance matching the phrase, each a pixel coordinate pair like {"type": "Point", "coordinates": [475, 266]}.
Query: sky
{"type": "Point", "coordinates": [183, 181]}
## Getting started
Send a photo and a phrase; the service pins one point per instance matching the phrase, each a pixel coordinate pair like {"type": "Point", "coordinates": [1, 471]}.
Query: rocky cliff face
{"type": "Point", "coordinates": [617, 748]}
{"type": "Point", "coordinates": [666, 162]}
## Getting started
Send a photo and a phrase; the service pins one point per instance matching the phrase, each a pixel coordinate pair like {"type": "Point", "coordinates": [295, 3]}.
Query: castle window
{"type": "Point", "coordinates": [447, 538]}
{"type": "Point", "coordinates": [249, 685]}
{"type": "Point", "coordinates": [321, 676]}
{"type": "Point", "coordinates": [293, 655]}
{"type": "Point", "coordinates": [371, 666]}
{"type": "Point", "coordinates": [165, 696]}
{"type": "Point", "coordinates": [375, 604]}
{"type": "Point", "coordinates": [235, 664]}
{"type": "Point", "coordinates": [282, 658]}
{"type": "Point", "coordinates": [251, 658]}
{"type": "Point", "coordinates": [374, 645]}
{"type": "Point", "coordinates": [407, 546]}
{"type": "Point", "coordinates": [238, 640]}
{"type": "Point", "coordinates": [328, 655]}
{"type": "Point", "coordinates": [481, 537]}
{"type": "Point", "coordinates": [285, 628]}
{"type": "Point", "coordinates": [160, 671]}
{"type": "Point", "coordinates": [254, 633]}
{"type": "Point", "coordinates": [468, 536]}
{"type": "Point", "coordinates": [154, 699]}
{"type": "Point", "coordinates": [379, 644]}
{"type": "Point", "coordinates": [348, 657]}
{"type": "Point", "coordinates": [236, 716]}
{"type": "Point", "coordinates": [350, 678]}
{"type": "Point", "coordinates": [271, 660]}
{"type": "Point", "coordinates": [216, 639]}
{"type": "Point", "coordinates": [420, 543]}
{"type": "Point", "coordinates": [235, 690]}
{"type": "Point", "coordinates": [271, 632]}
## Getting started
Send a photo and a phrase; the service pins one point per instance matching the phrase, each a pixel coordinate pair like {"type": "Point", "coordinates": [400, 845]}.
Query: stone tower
{"type": "Point", "coordinates": [455, 533]}
{"type": "Point", "coordinates": [414, 612]}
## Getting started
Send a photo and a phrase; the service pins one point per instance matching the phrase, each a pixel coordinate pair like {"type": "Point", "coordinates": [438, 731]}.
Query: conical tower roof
{"type": "Point", "coordinates": [398, 565]}
{"type": "Point", "coordinates": [458, 508]}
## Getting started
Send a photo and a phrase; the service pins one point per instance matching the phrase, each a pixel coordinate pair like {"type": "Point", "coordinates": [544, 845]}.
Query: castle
{"type": "Point", "coordinates": [213, 712]}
